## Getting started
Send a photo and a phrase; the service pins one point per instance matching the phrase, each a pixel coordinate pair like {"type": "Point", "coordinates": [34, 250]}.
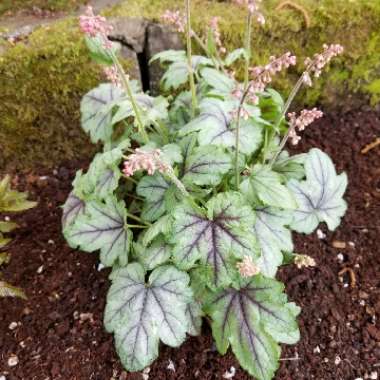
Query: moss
{"type": "Point", "coordinates": [302, 30]}
{"type": "Point", "coordinates": [43, 81]}
{"type": "Point", "coordinates": [49, 5]}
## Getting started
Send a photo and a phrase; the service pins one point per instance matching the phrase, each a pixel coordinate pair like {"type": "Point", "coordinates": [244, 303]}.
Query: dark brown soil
{"type": "Point", "coordinates": [60, 334]}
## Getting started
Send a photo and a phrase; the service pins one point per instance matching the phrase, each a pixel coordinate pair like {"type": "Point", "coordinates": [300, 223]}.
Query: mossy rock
{"type": "Point", "coordinates": [42, 83]}
{"type": "Point", "coordinates": [44, 78]}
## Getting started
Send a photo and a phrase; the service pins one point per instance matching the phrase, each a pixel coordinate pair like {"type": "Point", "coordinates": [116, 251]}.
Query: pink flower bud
{"type": "Point", "coordinates": [320, 60]}
{"type": "Point", "coordinates": [150, 161]}
{"type": "Point", "coordinates": [247, 268]}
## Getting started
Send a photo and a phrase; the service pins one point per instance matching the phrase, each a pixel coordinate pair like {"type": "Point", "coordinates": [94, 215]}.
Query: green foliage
{"type": "Point", "coordinates": [10, 201]}
{"type": "Point", "coordinates": [200, 218]}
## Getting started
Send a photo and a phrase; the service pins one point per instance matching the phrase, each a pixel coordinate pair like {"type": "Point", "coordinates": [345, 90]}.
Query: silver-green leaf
{"type": "Point", "coordinates": [206, 166]}
{"type": "Point", "coordinates": [96, 110]}
{"type": "Point", "coordinates": [265, 185]}
{"type": "Point", "coordinates": [273, 238]}
{"type": "Point", "coordinates": [141, 314]}
{"type": "Point", "coordinates": [320, 197]}
{"type": "Point", "coordinates": [253, 319]}
{"type": "Point", "coordinates": [217, 239]}
{"type": "Point", "coordinates": [102, 226]}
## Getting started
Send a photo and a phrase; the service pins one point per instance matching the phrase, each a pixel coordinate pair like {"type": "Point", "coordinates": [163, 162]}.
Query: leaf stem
{"type": "Point", "coordinates": [136, 226]}
{"type": "Point", "coordinates": [194, 102]}
{"type": "Point", "coordinates": [127, 87]}
{"type": "Point", "coordinates": [137, 219]}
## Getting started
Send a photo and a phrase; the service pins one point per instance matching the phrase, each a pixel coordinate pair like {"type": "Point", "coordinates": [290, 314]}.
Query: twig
{"type": "Point", "coordinates": [370, 146]}
{"type": "Point", "coordinates": [351, 273]}
{"type": "Point", "coordinates": [297, 7]}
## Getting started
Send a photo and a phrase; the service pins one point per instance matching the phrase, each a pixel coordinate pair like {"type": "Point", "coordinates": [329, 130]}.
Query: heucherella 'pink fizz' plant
{"type": "Point", "coordinates": [193, 199]}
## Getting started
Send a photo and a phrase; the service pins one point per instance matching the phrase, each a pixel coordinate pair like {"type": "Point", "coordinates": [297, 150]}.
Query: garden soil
{"type": "Point", "coordinates": [58, 334]}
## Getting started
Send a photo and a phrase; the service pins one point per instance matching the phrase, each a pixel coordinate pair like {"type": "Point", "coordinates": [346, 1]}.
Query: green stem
{"type": "Point", "coordinates": [136, 226]}
{"type": "Point", "coordinates": [137, 219]}
{"type": "Point", "coordinates": [247, 49]}
{"type": "Point", "coordinates": [194, 102]}
{"type": "Point", "coordinates": [217, 60]}
{"type": "Point", "coordinates": [135, 106]}
{"type": "Point", "coordinates": [285, 109]}
{"type": "Point", "coordinates": [237, 147]}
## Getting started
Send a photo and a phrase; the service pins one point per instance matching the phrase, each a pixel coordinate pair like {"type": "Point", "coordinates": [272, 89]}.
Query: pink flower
{"type": "Point", "coordinates": [247, 267]}
{"type": "Point", "coordinates": [262, 75]}
{"type": "Point", "coordinates": [305, 118]}
{"type": "Point", "coordinates": [244, 114]}
{"type": "Point", "coordinates": [214, 25]}
{"type": "Point", "coordinates": [95, 26]}
{"type": "Point", "coordinates": [320, 60]}
{"type": "Point", "coordinates": [112, 75]}
{"type": "Point", "coordinates": [175, 19]}
{"type": "Point", "coordinates": [253, 9]}
{"type": "Point", "coordinates": [149, 161]}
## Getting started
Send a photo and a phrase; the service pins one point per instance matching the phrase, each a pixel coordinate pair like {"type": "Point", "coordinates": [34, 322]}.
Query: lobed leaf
{"type": "Point", "coordinates": [253, 319]}
{"type": "Point", "coordinates": [273, 238]}
{"type": "Point", "coordinates": [206, 166]}
{"type": "Point", "coordinates": [320, 197]}
{"type": "Point", "coordinates": [142, 314]}
{"type": "Point", "coordinates": [102, 226]}
{"type": "Point", "coordinates": [264, 185]}
{"type": "Point", "coordinates": [215, 240]}
{"type": "Point", "coordinates": [96, 111]}
{"type": "Point", "coordinates": [214, 125]}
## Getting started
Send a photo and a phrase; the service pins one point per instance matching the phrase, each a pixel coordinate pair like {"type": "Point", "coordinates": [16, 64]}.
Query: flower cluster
{"type": "Point", "coordinates": [319, 61]}
{"type": "Point", "coordinates": [247, 267]}
{"type": "Point", "coordinates": [253, 9]}
{"type": "Point", "coordinates": [112, 74]}
{"type": "Point", "coordinates": [95, 26]}
{"type": "Point", "coordinates": [175, 19]}
{"type": "Point", "coordinates": [303, 120]}
{"type": "Point", "coordinates": [262, 75]}
{"type": "Point", "coordinates": [149, 161]}
{"type": "Point", "coordinates": [214, 25]}
{"type": "Point", "coordinates": [304, 261]}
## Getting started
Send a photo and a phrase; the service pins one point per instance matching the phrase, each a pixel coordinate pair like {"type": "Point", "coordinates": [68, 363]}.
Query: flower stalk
{"type": "Point", "coordinates": [194, 102]}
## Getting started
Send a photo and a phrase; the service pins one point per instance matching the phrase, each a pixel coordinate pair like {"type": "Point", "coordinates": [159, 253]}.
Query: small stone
{"type": "Point", "coordinates": [230, 374]}
{"type": "Point", "coordinates": [145, 373]}
{"type": "Point", "coordinates": [40, 269]}
{"type": "Point", "coordinates": [86, 317]}
{"type": "Point", "coordinates": [339, 244]}
{"type": "Point", "coordinates": [363, 295]}
{"type": "Point", "coordinates": [171, 366]}
{"type": "Point", "coordinates": [373, 375]}
{"type": "Point", "coordinates": [340, 257]}
{"type": "Point", "coordinates": [337, 360]}
{"type": "Point", "coordinates": [326, 360]}
{"type": "Point", "coordinates": [317, 350]}
{"type": "Point", "coordinates": [359, 378]}
{"type": "Point", "coordinates": [7, 219]}
{"type": "Point", "coordinates": [13, 325]}
{"type": "Point", "coordinates": [50, 241]}
{"type": "Point", "coordinates": [13, 361]}
{"type": "Point", "coordinates": [3, 378]}
{"type": "Point", "coordinates": [351, 244]}
{"type": "Point", "coordinates": [321, 235]}
{"type": "Point", "coordinates": [100, 267]}
{"type": "Point", "coordinates": [22, 344]}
